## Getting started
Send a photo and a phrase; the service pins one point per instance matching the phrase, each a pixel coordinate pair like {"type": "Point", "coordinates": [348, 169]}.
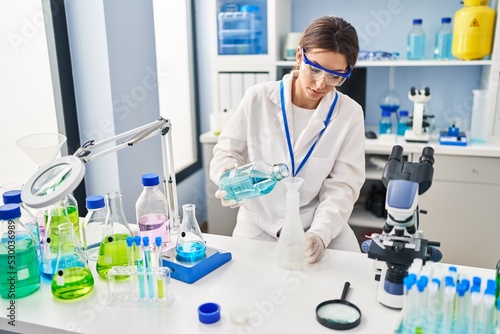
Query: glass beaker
{"type": "Point", "coordinates": [113, 249]}
{"type": "Point", "coordinates": [291, 248]}
{"type": "Point", "coordinates": [19, 271]}
{"type": "Point", "coordinates": [55, 215]}
{"type": "Point", "coordinates": [72, 277]}
{"type": "Point", "coordinates": [72, 208]}
{"type": "Point", "coordinates": [190, 243]}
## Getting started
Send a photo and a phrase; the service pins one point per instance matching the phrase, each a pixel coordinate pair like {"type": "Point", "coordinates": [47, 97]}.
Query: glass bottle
{"type": "Point", "coordinates": [27, 217]}
{"type": "Point", "coordinates": [72, 277]}
{"type": "Point", "coordinates": [444, 39]}
{"type": "Point", "coordinates": [415, 48]}
{"type": "Point", "coordinates": [252, 180]}
{"type": "Point", "coordinates": [93, 225]}
{"type": "Point", "coordinates": [152, 210]}
{"type": "Point", "coordinates": [55, 215]}
{"type": "Point", "coordinates": [19, 270]}
{"type": "Point", "coordinates": [190, 243]}
{"type": "Point", "coordinates": [72, 207]}
{"type": "Point", "coordinates": [385, 125]}
{"type": "Point", "coordinates": [402, 122]}
{"type": "Point", "coordinates": [291, 248]}
{"type": "Point", "coordinates": [113, 248]}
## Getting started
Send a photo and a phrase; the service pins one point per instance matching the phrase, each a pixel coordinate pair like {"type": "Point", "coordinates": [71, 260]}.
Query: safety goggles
{"type": "Point", "coordinates": [316, 72]}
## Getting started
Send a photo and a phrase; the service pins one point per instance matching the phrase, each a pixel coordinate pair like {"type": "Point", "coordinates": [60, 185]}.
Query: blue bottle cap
{"type": "Point", "coordinates": [461, 289]}
{"type": "Point", "coordinates": [145, 241]}
{"type": "Point", "coordinates": [452, 269]}
{"type": "Point", "coordinates": [149, 180]}
{"type": "Point", "coordinates": [446, 20]}
{"type": "Point", "coordinates": [95, 202]}
{"type": "Point", "coordinates": [466, 282]}
{"type": "Point", "coordinates": [417, 21]}
{"type": "Point", "coordinates": [386, 113]}
{"type": "Point", "coordinates": [209, 313]}
{"type": "Point", "coordinates": [137, 240]}
{"type": "Point", "coordinates": [158, 241]}
{"type": "Point", "coordinates": [475, 288]}
{"type": "Point", "coordinates": [129, 241]}
{"type": "Point", "coordinates": [12, 197]}
{"type": "Point", "coordinates": [491, 284]}
{"type": "Point", "coordinates": [449, 281]}
{"type": "Point", "coordinates": [249, 8]}
{"type": "Point", "coordinates": [436, 281]}
{"type": "Point", "coordinates": [10, 211]}
{"type": "Point", "coordinates": [476, 280]}
{"type": "Point", "coordinates": [403, 113]}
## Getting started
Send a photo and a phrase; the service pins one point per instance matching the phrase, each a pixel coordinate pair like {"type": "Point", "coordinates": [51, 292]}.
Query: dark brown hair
{"type": "Point", "coordinates": [333, 34]}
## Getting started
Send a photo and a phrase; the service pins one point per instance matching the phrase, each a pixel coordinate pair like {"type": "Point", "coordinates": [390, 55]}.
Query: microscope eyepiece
{"type": "Point", "coordinates": [397, 153]}
{"type": "Point", "coordinates": [427, 155]}
{"type": "Point", "coordinates": [427, 91]}
{"type": "Point", "coordinates": [413, 91]}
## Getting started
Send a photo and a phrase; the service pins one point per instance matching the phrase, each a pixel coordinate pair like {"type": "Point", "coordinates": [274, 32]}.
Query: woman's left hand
{"type": "Point", "coordinates": [315, 247]}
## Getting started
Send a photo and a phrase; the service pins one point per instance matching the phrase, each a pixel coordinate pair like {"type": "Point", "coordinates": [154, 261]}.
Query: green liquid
{"type": "Point", "coordinates": [112, 252]}
{"type": "Point", "coordinates": [19, 272]}
{"type": "Point", "coordinates": [58, 217]}
{"type": "Point", "coordinates": [71, 283]}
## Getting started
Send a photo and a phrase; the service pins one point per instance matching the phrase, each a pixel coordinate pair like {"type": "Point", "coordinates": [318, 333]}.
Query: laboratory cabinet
{"type": "Point", "coordinates": [463, 209]}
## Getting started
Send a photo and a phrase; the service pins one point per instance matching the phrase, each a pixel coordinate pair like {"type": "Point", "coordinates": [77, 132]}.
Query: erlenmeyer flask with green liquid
{"type": "Point", "coordinates": [72, 208]}
{"type": "Point", "coordinates": [72, 277]}
{"type": "Point", "coordinates": [113, 249]}
{"type": "Point", "coordinates": [55, 215]}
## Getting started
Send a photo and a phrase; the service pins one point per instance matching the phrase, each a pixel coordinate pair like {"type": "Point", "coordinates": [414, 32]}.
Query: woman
{"type": "Point", "coordinates": [318, 132]}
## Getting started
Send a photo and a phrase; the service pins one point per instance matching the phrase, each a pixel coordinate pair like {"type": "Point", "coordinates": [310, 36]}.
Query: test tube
{"type": "Point", "coordinates": [140, 267]}
{"type": "Point", "coordinates": [148, 265]}
{"type": "Point", "coordinates": [422, 305]}
{"type": "Point", "coordinates": [159, 264]}
{"type": "Point", "coordinates": [447, 309]}
{"type": "Point", "coordinates": [434, 302]}
{"type": "Point", "coordinates": [409, 301]}
{"type": "Point", "coordinates": [460, 313]}
{"type": "Point", "coordinates": [130, 251]}
{"type": "Point", "coordinates": [475, 309]}
{"type": "Point", "coordinates": [488, 311]}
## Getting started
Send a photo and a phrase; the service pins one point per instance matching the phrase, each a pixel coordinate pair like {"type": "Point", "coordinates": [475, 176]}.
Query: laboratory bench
{"type": "Point", "coordinates": [276, 300]}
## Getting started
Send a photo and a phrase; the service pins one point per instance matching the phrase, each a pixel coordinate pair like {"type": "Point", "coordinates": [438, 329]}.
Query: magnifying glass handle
{"type": "Point", "coordinates": [344, 292]}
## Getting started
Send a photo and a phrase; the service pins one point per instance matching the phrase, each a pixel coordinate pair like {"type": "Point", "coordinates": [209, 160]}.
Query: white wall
{"type": "Point", "coordinates": [26, 99]}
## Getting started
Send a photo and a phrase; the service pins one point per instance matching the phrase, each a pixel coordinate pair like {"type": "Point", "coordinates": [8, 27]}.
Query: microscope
{"type": "Point", "coordinates": [418, 131]}
{"type": "Point", "coordinates": [401, 241]}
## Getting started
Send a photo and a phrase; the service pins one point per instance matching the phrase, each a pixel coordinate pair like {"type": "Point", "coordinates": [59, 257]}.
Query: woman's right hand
{"type": "Point", "coordinates": [231, 203]}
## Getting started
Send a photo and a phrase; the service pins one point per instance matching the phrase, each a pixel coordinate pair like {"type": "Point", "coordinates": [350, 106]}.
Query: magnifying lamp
{"type": "Point", "coordinates": [52, 182]}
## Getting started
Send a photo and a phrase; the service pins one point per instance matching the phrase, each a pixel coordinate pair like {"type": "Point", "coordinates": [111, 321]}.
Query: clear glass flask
{"type": "Point", "coordinates": [252, 180]}
{"type": "Point", "coordinates": [113, 248]}
{"type": "Point", "coordinates": [93, 225]}
{"type": "Point", "coordinates": [291, 247]}
{"type": "Point", "coordinates": [72, 277]}
{"type": "Point", "coordinates": [19, 270]}
{"type": "Point", "coordinates": [55, 215]}
{"type": "Point", "coordinates": [190, 243]}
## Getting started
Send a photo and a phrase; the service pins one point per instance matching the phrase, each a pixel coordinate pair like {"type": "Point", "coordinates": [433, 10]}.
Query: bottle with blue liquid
{"type": "Point", "coordinates": [444, 39]}
{"type": "Point", "coordinates": [252, 180]}
{"type": "Point", "coordinates": [415, 49]}
{"type": "Point", "coordinates": [385, 125]}
{"type": "Point", "coordinates": [190, 243]}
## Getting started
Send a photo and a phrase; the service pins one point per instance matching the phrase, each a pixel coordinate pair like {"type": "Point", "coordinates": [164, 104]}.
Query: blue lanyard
{"type": "Point", "coordinates": [287, 131]}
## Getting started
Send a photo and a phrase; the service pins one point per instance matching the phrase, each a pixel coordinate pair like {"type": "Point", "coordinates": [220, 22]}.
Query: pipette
{"type": "Point", "coordinates": [148, 265]}
{"type": "Point", "coordinates": [140, 267]}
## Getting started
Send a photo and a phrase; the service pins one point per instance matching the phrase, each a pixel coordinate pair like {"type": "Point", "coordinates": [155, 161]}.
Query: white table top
{"type": "Point", "coordinates": [277, 300]}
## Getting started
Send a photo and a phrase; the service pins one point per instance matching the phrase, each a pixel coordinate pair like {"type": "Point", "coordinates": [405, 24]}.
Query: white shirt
{"type": "Point", "coordinates": [333, 175]}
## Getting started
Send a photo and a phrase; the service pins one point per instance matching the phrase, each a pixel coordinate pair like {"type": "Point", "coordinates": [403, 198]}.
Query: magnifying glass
{"type": "Point", "coordinates": [338, 313]}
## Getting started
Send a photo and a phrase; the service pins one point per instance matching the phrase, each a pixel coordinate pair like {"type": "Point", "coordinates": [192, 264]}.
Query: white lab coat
{"type": "Point", "coordinates": [333, 175]}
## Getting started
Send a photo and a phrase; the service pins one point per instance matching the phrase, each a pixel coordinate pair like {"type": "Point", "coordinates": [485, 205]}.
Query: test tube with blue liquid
{"type": "Point", "coordinates": [140, 267]}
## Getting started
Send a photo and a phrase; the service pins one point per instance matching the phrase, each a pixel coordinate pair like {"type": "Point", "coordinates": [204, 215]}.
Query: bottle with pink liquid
{"type": "Point", "coordinates": [152, 210]}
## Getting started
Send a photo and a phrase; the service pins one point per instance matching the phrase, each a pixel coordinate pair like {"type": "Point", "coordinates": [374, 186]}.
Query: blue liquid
{"type": "Point", "coordinates": [191, 250]}
{"type": "Point", "coordinates": [385, 128]}
{"type": "Point", "coordinates": [244, 187]}
{"type": "Point", "coordinates": [416, 47]}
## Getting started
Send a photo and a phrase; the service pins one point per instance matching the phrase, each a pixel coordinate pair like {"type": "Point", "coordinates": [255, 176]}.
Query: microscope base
{"type": "Point", "coordinates": [412, 137]}
{"type": "Point", "coordinates": [385, 298]}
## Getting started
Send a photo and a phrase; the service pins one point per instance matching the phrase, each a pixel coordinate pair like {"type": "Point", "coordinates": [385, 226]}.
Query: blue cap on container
{"type": "Point", "coordinates": [466, 282]}
{"type": "Point", "coordinates": [145, 241]}
{"type": "Point", "coordinates": [437, 281]}
{"type": "Point", "coordinates": [209, 313]}
{"type": "Point", "coordinates": [12, 197]}
{"type": "Point", "coordinates": [491, 284]}
{"type": "Point", "coordinates": [150, 180]}
{"type": "Point", "coordinates": [422, 283]}
{"type": "Point", "coordinates": [249, 8]}
{"type": "Point", "coordinates": [446, 20]}
{"type": "Point", "coordinates": [475, 288]}
{"type": "Point", "coordinates": [403, 113]}
{"type": "Point", "coordinates": [461, 289]}
{"type": "Point", "coordinates": [417, 21]}
{"type": "Point", "coordinates": [158, 241]}
{"type": "Point", "coordinates": [476, 280]}
{"type": "Point", "coordinates": [449, 281]}
{"type": "Point", "coordinates": [129, 241]}
{"type": "Point", "coordinates": [386, 113]}
{"type": "Point", "coordinates": [95, 202]}
{"type": "Point", "coordinates": [137, 240]}
{"type": "Point", "coordinates": [10, 211]}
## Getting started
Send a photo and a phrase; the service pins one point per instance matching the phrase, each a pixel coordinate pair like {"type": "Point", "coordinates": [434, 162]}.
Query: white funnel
{"type": "Point", "coordinates": [42, 148]}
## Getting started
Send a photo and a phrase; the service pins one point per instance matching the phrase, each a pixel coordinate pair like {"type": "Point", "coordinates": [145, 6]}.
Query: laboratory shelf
{"type": "Point", "coordinates": [405, 63]}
